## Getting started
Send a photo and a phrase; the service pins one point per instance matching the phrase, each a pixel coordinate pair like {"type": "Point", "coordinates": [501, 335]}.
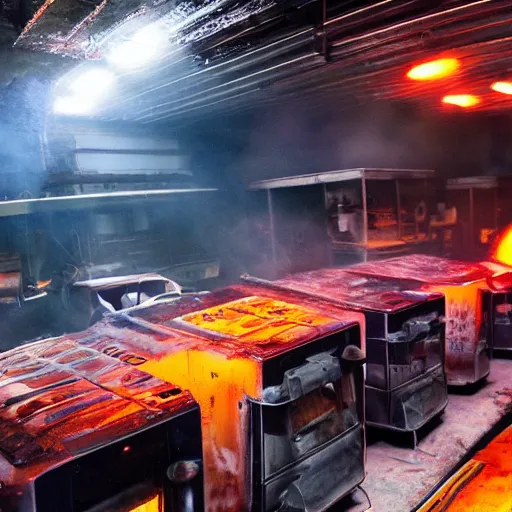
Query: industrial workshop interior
{"type": "Point", "coordinates": [255, 256]}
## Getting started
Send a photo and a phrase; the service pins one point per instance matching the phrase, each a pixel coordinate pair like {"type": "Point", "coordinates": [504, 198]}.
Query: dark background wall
{"type": "Point", "coordinates": [231, 151]}
{"type": "Point", "coordinates": [295, 140]}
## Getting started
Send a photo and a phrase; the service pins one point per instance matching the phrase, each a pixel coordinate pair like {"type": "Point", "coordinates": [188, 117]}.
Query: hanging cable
{"type": "Point", "coordinates": [367, 497]}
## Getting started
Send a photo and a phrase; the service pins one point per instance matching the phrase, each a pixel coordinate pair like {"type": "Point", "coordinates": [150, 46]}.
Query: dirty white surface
{"type": "Point", "coordinates": [399, 477]}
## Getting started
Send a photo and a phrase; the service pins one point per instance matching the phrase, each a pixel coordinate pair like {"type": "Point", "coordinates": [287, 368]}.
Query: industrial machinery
{"type": "Point", "coordinates": [93, 159]}
{"type": "Point", "coordinates": [405, 377]}
{"type": "Point", "coordinates": [346, 216]}
{"type": "Point", "coordinates": [85, 430]}
{"type": "Point", "coordinates": [62, 242]}
{"type": "Point", "coordinates": [280, 384]}
{"type": "Point", "coordinates": [483, 208]}
{"type": "Point", "coordinates": [92, 298]}
{"type": "Point", "coordinates": [468, 307]}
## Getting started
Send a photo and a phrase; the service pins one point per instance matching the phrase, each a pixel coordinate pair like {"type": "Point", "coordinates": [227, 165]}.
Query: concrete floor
{"type": "Point", "coordinates": [398, 477]}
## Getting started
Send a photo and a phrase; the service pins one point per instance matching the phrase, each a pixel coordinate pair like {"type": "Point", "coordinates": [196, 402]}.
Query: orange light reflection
{"type": "Point", "coordinates": [434, 70]}
{"type": "Point", "coordinates": [503, 249]}
{"type": "Point", "coordinates": [462, 100]}
{"type": "Point", "coordinates": [153, 505]}
{"type": "Point", "coordinates": [482, 484]}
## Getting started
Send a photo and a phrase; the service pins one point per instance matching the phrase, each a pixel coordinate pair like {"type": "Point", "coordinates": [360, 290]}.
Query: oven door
{"type": "Point", "coordinates": [411, 359]}
{"type": "Point", "coordinates": [502, 321]}
{"type": "Point", "coordinates": [308, 449]}
{"type": "Point", "coordinates": [413, 404]}
{"type": "Point", "coordinates": [416, 372]}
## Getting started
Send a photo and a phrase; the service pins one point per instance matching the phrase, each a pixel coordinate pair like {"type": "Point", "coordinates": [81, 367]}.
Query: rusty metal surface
{"type": "Point", "coordinates": [398, 478]}
{"type": "Point", "coordinates": [468, 334]}
{"type": "Point", "coordinates": [61, 398]}
{"type": "Point", "coordinates": [251, 322]}
{"type": "Point", "coordinates": [69, 27]}
{"type": "Point", "coordinates": [10, 284]}
{"type": "Point", "coordinates": [359, 292]}
{"type": "Point", "coordinates": [213, 344]}
{"type": "Point", "coordinates": [426, 269]}
{"type": "Point", "coordinates": [221, 341]}
{"type": "Point", "coordinates": [370, 48]}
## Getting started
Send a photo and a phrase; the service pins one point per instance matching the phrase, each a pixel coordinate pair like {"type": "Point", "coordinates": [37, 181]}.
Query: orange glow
{"type": "Point", "coordinates": [482, 484]}
{"type": "Point", "coordinates": [257, 319]}
{"type": "Point", "coordinates": [220, 384]}
{"type": "Point", "coordinates": [43, 284]}
{"type": "Point", "coordinates": [434, 69]}
{"type": "Point", "coordinates": [153, 505]}
{"type": "Point", "coordinates": [503, 250]}
{"type": "Point", "coordinates": [503, 87]}
{"type": "Point", "coordinates": [462, 100]}
{"type": "Point", "coordinates": [217, 354]}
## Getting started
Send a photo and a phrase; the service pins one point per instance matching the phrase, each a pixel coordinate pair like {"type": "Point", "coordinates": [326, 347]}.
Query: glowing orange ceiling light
{"type": "Point", "coordinates": [434, 69]}
{"type": "Point", "coordinates": [462, 100]}
{"type": "Point", "coordinates": [503, 87]}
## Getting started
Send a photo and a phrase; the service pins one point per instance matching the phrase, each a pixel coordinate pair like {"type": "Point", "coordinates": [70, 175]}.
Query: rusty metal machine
{"type": "Point", "coordinates": [345, 216]}
{"type": "Point", "coordinates": [280, 384]}
{"type": "Point", "coordinates": [468, 307]}
{"type": "Point", "coordinates": [405, 377]}
{"type": "Point", "coordinates": [85, 430]}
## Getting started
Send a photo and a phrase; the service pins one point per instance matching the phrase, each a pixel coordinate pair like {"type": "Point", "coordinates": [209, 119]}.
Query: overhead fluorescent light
{"type": "Point", "coordinates": [73, 106]}
{"type": "Point", "coordinates": [96, 82]}
{"type": "Point", "coordinates": [83, 92]}
{"type": "Point", "coordinates": [142, 49]}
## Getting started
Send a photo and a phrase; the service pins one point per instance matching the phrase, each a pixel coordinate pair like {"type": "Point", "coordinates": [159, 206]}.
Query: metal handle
{"type": "Point", "coordinates": [417, 327]}
{"type": "Point", "coordinates": [318, 370]}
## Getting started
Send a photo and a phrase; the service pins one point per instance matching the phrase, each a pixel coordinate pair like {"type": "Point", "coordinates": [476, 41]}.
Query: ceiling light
{"type": "Point", "coordinates": [92, 82]}
{"type": "Point", "coordinates": [503, 87]}
{"type": "Point", "coordinates": [73, 106]}
{"type": "Point", "coordinates": [462, 100]}
{"type": "Point", "coordinates": [143, 48]}
{"type": "Point", "coordinates": [434, 69]}
{"type": "Point", "coordinates": [81, 93]}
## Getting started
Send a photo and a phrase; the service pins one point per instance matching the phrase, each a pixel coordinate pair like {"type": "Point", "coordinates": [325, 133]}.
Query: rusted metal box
{"type": "Point", "coordinates": [405, 377]}
{"type": "Point", "coordinates": [281, 388]}
{"type": "Point", "coordinates": [468, 307]}
{"type": "Point", "coordinates": [500, 284]}
{"type": "Point", "coordinates": [84, 431]}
